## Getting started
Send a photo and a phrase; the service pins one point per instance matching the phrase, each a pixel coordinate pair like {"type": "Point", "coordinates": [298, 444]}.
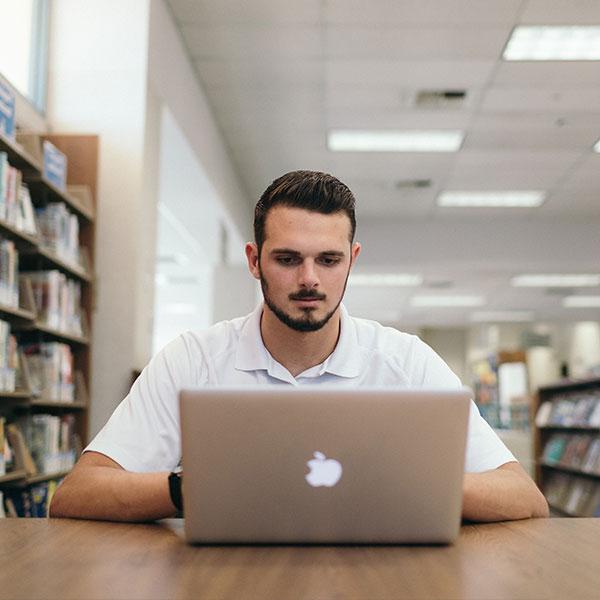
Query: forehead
{"type": "Point", "coordinates": [287, 225]}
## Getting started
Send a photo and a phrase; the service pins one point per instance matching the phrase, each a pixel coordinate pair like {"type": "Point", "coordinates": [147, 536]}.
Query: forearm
{"type": "Point", "coordinates": [501, 495]}
{"type": "Point", "coordinates": [113, 494]}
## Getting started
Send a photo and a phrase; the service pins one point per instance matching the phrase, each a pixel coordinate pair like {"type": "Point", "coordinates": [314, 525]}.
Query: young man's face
{"type": "Point", "coordinates": [304, 265]}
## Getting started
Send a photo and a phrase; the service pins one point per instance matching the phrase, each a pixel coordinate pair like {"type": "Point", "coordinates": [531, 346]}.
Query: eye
{"type": "Point", "coordinates": [329, 261]}
{"type": "Point", "coordinates": [287, 261]}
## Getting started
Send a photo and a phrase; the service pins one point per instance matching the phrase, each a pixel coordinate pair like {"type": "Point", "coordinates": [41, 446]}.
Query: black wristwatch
{"type": "Point", "coordinates": [175, 479]}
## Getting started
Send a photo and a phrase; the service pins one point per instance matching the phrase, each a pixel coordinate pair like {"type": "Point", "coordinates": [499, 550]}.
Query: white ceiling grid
{"type": "Point", "coordinates": [279, 75]}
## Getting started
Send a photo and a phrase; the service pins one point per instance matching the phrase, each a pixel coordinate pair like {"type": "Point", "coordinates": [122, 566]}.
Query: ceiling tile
{"type": "Point", "coordinates": [259, 74]}
{"type": "Point", "coordinates": [555, 75]}
{"type": "Point", "coordinates": [461, 13]}
{"type": "Point", "coordinates": [207, 12]}
{"type": "Point", "coordinates": [238, 42]}
{"type": "Point", "coordinates": [558, 100]}
{"type": "Point", "coordinates": [561, 12]}
{"type": "Point", "coordinates": [415, 43]}
{"type": "Point", "coordinates": [421, 74]}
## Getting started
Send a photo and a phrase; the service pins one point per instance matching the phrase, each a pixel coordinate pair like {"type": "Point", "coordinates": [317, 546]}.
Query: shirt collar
{"type": "Point", "coordinates": [252, 354]}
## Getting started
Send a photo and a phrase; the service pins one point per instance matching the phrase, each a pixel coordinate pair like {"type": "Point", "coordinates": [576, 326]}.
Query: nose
{"type": "Point", "coordinates": [308, 275]}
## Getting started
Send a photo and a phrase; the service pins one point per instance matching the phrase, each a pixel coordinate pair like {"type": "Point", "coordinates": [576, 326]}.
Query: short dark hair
{"type": "Point", "coordinates": [311, 190]}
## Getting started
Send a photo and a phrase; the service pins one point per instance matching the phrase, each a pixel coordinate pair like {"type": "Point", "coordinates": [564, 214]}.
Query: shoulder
{"type": "Point", "coordinates": [421, 364]}
{"type": "Point", "coordinates": [375, 336]}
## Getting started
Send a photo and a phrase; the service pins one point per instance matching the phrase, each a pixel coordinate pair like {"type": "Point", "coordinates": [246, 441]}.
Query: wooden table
{"type": "Point", "coordinates": [550, 558]}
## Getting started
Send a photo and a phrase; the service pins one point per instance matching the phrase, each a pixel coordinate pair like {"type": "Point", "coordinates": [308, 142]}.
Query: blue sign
{"type": "Point", "coordinates": [7, 111]}
{"type": "Point", "coordinates": [55, 166]}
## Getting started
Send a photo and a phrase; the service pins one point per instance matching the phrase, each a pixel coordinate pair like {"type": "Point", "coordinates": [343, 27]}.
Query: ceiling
{"type": "Point", "coordinates": [279, 75]}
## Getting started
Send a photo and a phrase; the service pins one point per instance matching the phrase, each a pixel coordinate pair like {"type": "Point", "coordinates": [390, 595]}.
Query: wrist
{"type": "Point", "coordinates": [175, 488]}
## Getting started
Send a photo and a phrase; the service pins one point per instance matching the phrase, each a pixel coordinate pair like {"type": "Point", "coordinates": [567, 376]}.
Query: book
{"type": "Point", "coordinates": [594, 420]}
{"type": "Point", "coordinates": [59, 231]}
{"type": "Point", "coordinates": [52, 441]}
{"type": "Point", "coordinates": [26, 216]}
{"type": "Point", "coordinates": [2, 447]}
{"type": "Point", "coordinates": [542, 418]}
{"type": "Point", "coordinates": [51, 371]}
{"type": "Point", "coordinates": [592, 455]}
{"type": "Point", "coordinates": [557, 489]}
{"type": "Point", "coordinates": [579, 494]}
{"type": "Point", "coordinates": [23, 458]}
{"type": "Point", "coordinates": [593, 501]}
{"type": "Point", "coordinates": [554, 448]}
{"type": "Point", "coordinates": [9, 273]}
{"type": "Point", "coordinates": [9, 358]}
{"type": "Point", "coordinates": [57, 300]}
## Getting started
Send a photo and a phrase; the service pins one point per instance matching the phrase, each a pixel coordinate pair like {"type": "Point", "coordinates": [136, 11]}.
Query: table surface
{"type": "Point", "coordinates": [62, 558]}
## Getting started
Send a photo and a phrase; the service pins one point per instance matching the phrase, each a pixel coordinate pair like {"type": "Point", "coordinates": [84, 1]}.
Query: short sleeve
{"type": "Point", "coordinates": [485, 450]}
{"type": "Point", "coordinates": [143, 433]}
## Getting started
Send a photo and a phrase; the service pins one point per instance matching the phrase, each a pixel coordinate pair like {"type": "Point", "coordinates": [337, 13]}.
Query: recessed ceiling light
{"type": "Point", "coordinates": [502, 316]}
{"type": "Point", "coordinates": [447, 301]}
{"type": "Point", "coordinates": [581, 302]}
{"type": "Point", "coordinates": [554, 281]}
{"type": "Point", "coordinates": [491, 199]}
{"type": "Point", "coordinates": [348, 140]}
{"type": "Point", "coordinates": [385, 279]}
{"type": "Point", "coordinates": [553, 43]}
{"type": "Point", "coordinates": [597, 146]}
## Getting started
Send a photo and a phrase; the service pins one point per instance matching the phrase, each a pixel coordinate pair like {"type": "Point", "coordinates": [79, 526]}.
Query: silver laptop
{"type": "Point", "coordinates": [312, 465]}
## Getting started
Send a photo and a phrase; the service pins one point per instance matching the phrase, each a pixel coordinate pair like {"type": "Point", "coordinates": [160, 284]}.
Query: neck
{"type": "Point", "coordinates": [298, 350]}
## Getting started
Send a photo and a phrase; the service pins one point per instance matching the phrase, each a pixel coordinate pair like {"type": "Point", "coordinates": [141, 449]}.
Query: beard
{"type": "Point", "coordinates": [304, 324]}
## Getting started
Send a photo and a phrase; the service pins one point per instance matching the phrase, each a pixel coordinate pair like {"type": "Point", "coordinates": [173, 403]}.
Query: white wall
{"type": "Point", "coordinates": [235, 292]}
{"type": "Point", "coordinates": [172, 78]}
{"type": "Point", "coordinates": [451, 345]}
{"type": "Point", "coordinates": [97, 84]}
{"type": "Point", "coordinates": [114, 66]}
{"type": "Point", "coordinates": [186, 253]}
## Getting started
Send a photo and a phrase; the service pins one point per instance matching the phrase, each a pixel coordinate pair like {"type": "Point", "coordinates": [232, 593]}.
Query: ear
{"type": "Point", "coordinates": [356, 248]}
{"type": "Point", "coordinates": [252, 257]}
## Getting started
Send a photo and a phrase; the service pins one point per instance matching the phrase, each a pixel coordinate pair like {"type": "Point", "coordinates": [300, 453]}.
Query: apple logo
{"type": "Point", "coordinates": [323, 471]}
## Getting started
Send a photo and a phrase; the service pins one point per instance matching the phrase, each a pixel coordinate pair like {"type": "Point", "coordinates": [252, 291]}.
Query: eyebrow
{"type": "Point", "coordinates": [296, 253]}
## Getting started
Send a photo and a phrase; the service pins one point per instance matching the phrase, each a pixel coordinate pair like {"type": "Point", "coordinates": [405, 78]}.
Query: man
{"type": "Point", "coordinates": [303, 252]}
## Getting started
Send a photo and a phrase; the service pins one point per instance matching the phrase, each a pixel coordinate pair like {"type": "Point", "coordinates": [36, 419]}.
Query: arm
{"type": "Point", "coordinates": [502, 494]}
{"type": "Point", "coordinates": [99, 488]}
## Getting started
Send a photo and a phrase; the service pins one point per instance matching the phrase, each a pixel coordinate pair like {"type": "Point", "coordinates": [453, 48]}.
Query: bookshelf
{"type": "Point", "coordinates": [33, 476]}
{"type": "Point", "coordinates": [487, 383]}
{"type": "Point", "coordinates": [567, 446]}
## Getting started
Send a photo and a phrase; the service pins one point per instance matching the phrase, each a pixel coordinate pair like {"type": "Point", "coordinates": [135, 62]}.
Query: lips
{"type": "Point", "coordinates": [308, 300]}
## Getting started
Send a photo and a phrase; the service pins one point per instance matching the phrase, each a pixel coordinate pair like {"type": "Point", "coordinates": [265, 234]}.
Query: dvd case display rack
{"type": "Point", "coordinates": [567, 447]}
{"type": "Point", "coordinates": [32, 476]}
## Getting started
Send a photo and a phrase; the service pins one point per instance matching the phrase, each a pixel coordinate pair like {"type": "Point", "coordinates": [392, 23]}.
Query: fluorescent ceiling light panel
{"type": "Point", "coordinates": [491, 199]}
{"type": "Point", "coordinates": [577, 280]}
{"type": "Point", "coordinates": [509, 316]}
{"type": "Point", "coordinates": [385, 280]}
{"type": "Point", "coordinates": [597, 146]}
{"type": "Point", "coordinates": [387, 140]}
{"type": "Point", "coordinates": [553, 43]}
{"type": "Point", "coordinates": [447, 301]}
{"type": "Point", "coordinates": [581, 302]}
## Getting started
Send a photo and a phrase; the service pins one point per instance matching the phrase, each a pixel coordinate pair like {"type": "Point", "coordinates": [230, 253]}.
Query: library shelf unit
{"type": "Point", "coordinates": [567, 446]}
{"type": "Point", "coordinates": [25, 321]}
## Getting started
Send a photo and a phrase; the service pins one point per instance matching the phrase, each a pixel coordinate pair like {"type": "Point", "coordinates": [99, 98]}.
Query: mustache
{"type": "Point", "coordinates": [307, 295]}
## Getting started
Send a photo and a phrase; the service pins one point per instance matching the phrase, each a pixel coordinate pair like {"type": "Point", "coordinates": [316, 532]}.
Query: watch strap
{"type": "Point", "coordinates": [175, 489]}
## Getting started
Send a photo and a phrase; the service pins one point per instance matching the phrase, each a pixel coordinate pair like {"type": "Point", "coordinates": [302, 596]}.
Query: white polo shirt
{"type": "Point", "coordinates": [143, 433]}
